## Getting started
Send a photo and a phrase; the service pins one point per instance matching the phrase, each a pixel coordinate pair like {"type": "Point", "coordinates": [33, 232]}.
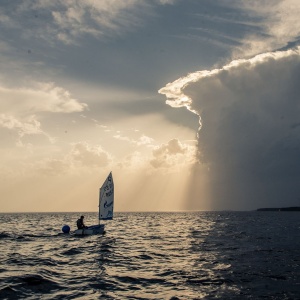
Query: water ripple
{"type": "Point", "coordinates": [152, 256]}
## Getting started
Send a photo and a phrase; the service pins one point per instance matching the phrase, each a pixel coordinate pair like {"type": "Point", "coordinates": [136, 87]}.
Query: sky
{"type": "Point", "coordinates": [192, 104]}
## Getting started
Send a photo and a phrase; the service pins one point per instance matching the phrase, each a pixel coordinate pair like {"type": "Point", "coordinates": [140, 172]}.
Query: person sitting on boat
{"type": "Point", "coordinates": [80, 223]}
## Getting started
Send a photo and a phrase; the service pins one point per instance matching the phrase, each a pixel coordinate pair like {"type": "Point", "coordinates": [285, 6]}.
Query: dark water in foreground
{"type": "Point", "coordinates": [203, 255]}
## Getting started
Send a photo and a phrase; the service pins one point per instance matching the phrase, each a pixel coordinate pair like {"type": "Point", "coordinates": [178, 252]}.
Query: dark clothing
{"type": "Point", "coordinates": [80, 224]}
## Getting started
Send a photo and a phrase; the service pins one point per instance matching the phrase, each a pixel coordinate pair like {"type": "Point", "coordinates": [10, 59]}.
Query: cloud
{"type": "Point", "coordinates": [32, 126]}
{"type": "Point", "coordinates": [172, 155]}
{"type": "Point", "coordinates": [177, 97]}
{"type": "Point", "coordinates": [89, 156]}
{"type": "Point", "coordinates": [133, 162]}
{"type": "Point", "coordinates": [21, 108]}
{"type": "Point", "coordinates": [249, 138]}
{"type": "Point", "coordinates": [145, 140]}
{"type": "Point", "coordinates": [278, 20]}
{"type": "Point", "coordinates": [142, 140]}
{"type": "Point", "coordinates": [27, 127]}
{"type": "Point", "coordinates": [52, 167]}
{"type": "Point", "coordinates": [7, 20]}
{"type": "Point", "coordinates": [69, 20]}
{"type": "Point", "coordinates": [166, 1]}
{"type": "Point", "coordinates": [41, 97]}
{"type": "Point", "coordinates": [81, 158]}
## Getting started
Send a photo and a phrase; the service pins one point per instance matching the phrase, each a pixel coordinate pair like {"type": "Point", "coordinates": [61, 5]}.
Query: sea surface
{"type": "Point", "coordinates": [199, 255]}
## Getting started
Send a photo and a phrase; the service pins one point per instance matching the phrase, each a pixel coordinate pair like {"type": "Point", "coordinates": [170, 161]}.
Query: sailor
{"type": "Point", "coordinates": [80, 223]}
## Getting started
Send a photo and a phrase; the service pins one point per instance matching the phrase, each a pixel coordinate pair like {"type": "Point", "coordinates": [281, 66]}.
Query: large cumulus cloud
{"type": "Point", "coordinates": [250, 135]}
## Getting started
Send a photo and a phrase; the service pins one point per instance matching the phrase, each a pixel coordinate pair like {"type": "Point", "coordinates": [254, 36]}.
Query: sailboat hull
{"type": "Point", "coordinates": [91, 230]}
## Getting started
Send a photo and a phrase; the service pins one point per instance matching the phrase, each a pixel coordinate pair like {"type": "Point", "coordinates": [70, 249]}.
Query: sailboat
{"type": "Point", "coordinates": [106, 208]}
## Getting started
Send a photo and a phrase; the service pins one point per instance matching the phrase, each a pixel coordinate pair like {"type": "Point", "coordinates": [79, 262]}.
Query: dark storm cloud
{"type": "Point", "coordinates": [250, 138]}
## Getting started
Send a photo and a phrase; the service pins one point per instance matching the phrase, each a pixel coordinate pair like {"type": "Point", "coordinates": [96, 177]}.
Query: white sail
{"type": "Point", "coordinates": [106, 199]}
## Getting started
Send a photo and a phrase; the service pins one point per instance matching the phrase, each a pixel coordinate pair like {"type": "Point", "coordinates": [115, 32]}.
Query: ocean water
{"type": "Point", "coordinates": [199, 255]}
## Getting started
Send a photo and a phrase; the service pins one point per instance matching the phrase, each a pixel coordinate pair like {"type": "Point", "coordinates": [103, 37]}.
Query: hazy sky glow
{"type": "Point", "coordinates": [88, 87]}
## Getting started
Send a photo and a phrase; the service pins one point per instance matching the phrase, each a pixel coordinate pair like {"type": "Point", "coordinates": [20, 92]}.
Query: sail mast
{"type": "Point", "coordinates": [100, 196]}
{"type": "Point", "coordinates": [99, 205]}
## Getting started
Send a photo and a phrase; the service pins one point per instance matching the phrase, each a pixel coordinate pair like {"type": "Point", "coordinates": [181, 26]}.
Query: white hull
{"type": "Point", "coordinates": [95, 229]}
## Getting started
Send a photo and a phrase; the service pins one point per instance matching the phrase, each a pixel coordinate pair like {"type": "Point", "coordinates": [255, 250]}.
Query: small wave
{"type": "Point", "coordinates": [19, 238]}
{"type": "Point", "coordinates": [108, 241]}
{"type": "Point", "coordinates": [161, 255]}
{"type": "Point", "coordinates": [22, 260]}
{"type": "Point", "coordinates": [7, 288]}
{"type": "Point", "coordinates": [32, 282]}
{"type": "Point", "coordinates": [140, 280]}
{"type": "Point", "coordinates": [72, 251]}
{"type": "Point", "coordinates": [208, 281]}
{"type": "Point", "coordinates": [105, 248]}
{"type": "Point", "coordinates": [107, 245]}
{"type": "Point", "coordinates": [35, 280]}
{"type": "Point", "coordinates": [40, 236]}
{"type": "Point", "coordinates": [103, 286]}
{"type": "Point", "coordinates": [167, 273]}
{"type": "Point", "coordinates": [231, 248]}
{"type": "Point", "coordinates": [104, 259]}
{"type": "Point", "coordinates": [145, 257]}
{"type": "Point", "coordinates": [264, 250]}
{"type": "Point", "coordinates": [24, 237]}
{"type": "Point", "coordinates": [278, 277]}
{"type": "Point", "coordinates": [4, 235]}
{"type": "Point", "coordinates": [8, 292]}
